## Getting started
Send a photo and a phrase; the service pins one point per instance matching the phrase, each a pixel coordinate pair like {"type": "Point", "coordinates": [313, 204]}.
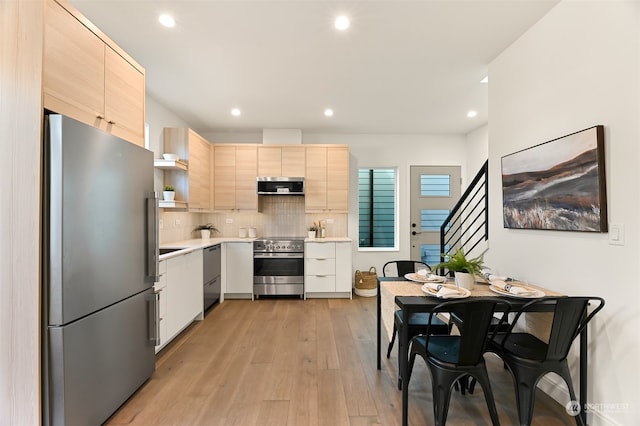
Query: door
{"type": "Point", "coordinates": [94, 366]}
{"type": "Point", "coordinates": [435, 190]}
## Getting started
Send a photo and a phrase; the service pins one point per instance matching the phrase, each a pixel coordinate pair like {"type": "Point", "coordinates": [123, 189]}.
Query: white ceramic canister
{"type": "Point", "coordinates": [243, 233]}
{"type": "Point", "coordinates": [252, 232]}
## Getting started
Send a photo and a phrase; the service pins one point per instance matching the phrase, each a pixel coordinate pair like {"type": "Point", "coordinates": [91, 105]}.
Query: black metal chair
{"type": "Point", "coordinates": [399, 268]}
{"type": "Point", "coordinates": [417, 322]}
{"type": "Point", "coordinates": [529, 358]}
{"type": "Point", "coordinates": [452, 357]}
{"type": "Point", "coordinates": [496, 325]}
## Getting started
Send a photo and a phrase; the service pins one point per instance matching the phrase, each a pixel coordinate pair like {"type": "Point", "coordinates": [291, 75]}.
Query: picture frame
{"type": "Point", "coordinates": [557, 185]}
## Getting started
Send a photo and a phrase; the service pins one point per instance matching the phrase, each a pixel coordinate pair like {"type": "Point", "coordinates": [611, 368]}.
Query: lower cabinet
{"type": "Point", "coordinates": [181, 294]}
{"type": "Point", "coordinates": [327, 269]}
{"type": "Point", "coordinates": [237, 273]}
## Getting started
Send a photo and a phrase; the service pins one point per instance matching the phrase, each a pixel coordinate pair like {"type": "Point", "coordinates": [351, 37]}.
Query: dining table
{"type": "Point", "coordinates": [400, 293]}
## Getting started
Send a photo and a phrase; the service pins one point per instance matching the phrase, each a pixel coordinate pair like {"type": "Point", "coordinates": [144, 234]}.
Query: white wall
{"type": "Point", "coordinates": [576, 68]}
{"type": "Point", "coordinates": [477, 151]}
{"type": "Point", "coordinates": [402, 151]}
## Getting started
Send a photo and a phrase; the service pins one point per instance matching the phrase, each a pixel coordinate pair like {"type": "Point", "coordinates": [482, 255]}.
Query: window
{"type": "Point", "coordinates": [377, 198]}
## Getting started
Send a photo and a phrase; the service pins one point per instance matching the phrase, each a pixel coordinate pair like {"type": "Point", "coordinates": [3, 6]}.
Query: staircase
{"type": "Point", "coordinates": [467, 226]}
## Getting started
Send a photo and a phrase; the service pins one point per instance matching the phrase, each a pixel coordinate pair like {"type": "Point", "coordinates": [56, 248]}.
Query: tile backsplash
{"type": "Point", "coordinates": [282, 216]}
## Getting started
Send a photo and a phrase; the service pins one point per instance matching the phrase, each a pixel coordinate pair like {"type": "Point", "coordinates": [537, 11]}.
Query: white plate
{"type": "Point", "coordinates": [462, 292]}
{"type": "Point", "coordinates": [422, 279]}
{"type": "Point", "coordinates": [534, 295]}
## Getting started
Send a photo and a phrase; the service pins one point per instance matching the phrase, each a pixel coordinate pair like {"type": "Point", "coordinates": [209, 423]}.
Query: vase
{"type": "Point", "coordinates": [312, 234]}
{"type": "Point", "coordinates": [169, 195]}
{"type": "Point", "coordinates": [205, 234]}
{"type": "Point", "coordinates": [464, 280]}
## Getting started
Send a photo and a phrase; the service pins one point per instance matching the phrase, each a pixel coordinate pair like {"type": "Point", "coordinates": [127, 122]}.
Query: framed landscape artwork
{"type": "Point", "coordinates": [557, 185]}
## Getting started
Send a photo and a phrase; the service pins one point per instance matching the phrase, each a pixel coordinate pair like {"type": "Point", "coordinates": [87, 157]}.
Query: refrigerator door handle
{"type": "Point", "coordinates": [153, 320]}
{"type": "Point", "coordinates": [153, 253]}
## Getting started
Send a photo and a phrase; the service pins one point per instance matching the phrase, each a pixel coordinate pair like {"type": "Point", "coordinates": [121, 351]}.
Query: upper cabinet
{"type": "Point", "coordinates": [327, 178]}
{"type": "Point", "coordinates": [281, 160]}
{"type": "Point", "coordinates": [89, 78]}
{"type": "Point", "coordinates": [194, 186]}
{"type": "Point", "coordinates": [234, 176]}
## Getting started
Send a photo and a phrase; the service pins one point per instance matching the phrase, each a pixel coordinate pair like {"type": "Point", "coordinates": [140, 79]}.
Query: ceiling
{"type": "Point", "coordinates": [401, 67]}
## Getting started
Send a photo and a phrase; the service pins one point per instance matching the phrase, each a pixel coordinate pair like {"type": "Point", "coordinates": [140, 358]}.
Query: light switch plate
{"type": "Point", "coordinates": [616, 234]}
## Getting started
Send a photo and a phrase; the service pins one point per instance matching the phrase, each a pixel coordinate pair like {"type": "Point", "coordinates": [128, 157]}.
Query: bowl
{"type": "Point", "coordinates": [169, 156]}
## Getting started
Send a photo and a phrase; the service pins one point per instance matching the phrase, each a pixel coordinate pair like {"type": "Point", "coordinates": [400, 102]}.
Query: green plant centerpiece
{"type": "Point", "coordinates": [464, 269]}
{"type": "Point", "coordinates": [313, 229]}
{"type": "Point", "coordinates": [206, 230]}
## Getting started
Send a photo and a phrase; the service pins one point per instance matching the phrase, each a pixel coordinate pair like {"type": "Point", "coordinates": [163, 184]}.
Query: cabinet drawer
{"type": "Point", "coordinates": [320, 284]}
{"type": "Point", "coordinates": [320, 267]}
{"type": "Point", "coordinates": [320, 250]}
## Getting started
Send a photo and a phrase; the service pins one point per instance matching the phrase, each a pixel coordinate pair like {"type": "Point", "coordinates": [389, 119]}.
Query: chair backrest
{"type": "Point", "coordinates": [399, 268]}
{"type": "Point", "coordinates": [569, 319]}
{"type": "Point", "coordinates": [476, 316]}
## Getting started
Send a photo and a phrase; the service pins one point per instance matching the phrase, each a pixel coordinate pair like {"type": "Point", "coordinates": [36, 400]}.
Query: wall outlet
{"type": "Point", "coordinates": [177, 222]}
{"type": "Point", "coordinates": [330, 220]}
{"type": "Point", "coordinates": [229, 220]}
{"type": "Point", "coordinates": [161, 224]}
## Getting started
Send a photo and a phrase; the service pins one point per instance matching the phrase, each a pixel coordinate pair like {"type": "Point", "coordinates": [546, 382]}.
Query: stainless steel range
{"type": "Point", "coordinates": [278, 266]}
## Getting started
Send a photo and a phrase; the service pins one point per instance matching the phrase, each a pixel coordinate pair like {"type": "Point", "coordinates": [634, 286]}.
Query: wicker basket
{"type": "Point", "coordinates": [366, 282]}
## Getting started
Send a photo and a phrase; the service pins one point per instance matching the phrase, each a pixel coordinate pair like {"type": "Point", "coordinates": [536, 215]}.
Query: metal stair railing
{"type": "Point", "coordinates": [467, 226]}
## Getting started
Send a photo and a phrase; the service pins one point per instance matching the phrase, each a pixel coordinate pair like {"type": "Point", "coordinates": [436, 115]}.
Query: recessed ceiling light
{"type": "Point", "coordinates": [328, 112]}
{"type": "Point", "coordinates": [236, 112]}
{"type": "Point", "coordinates": [342, 22]}
{"type": "Point", "coordinates": [167, 20]}
{"type": "Point", "coordinates": [472, 114]}
{"type": "Point", "coordinates": [485, 79]}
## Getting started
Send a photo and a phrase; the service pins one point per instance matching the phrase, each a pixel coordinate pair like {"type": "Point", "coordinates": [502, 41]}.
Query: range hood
{"type": "Point", "coordinates": [280, 185]}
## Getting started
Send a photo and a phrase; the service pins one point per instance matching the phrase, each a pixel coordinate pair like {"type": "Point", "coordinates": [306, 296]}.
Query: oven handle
{"type": "Point", "coordinates": [278, 255]}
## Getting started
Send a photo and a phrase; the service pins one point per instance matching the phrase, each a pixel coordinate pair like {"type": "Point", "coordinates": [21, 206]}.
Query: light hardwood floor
{"type": "Point", "coordinates": [294, 362]}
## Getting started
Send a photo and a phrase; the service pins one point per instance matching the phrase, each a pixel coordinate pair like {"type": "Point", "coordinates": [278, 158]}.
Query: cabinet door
{"type": "Point", "coordinates": [316, 179]}
{"type": "Point", "coordinates": [293, 161]}
{"type": "Point", "coordinates": [123, 98]}
{"type": "Point", "coordinates": [344, 272]}
{"type": "Point", "coordinates": [199, 172]}
{"type": "Point", "coordinates": [73, 67]}
{"type": "Point", "coordinates": [338, 178]}
{"type": "Point", "coordinates": [184, 291]}
{"type": "Point", "coordinates": [239, 268]}
{"type": "Point", "coordinates": [176, 269]}
{"type": "Point", "coordinates": [224, 171]}
{"type": "Point", "coordinates": [246, 172]}
{"type": "Point", "coordinates": [270, 161]}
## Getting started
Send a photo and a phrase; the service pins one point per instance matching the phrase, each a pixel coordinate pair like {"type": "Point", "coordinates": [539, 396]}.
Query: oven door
{"type": "Point", "coordinates": [278, 274]}
{"type": "Point", "coordinates": [278, 265]}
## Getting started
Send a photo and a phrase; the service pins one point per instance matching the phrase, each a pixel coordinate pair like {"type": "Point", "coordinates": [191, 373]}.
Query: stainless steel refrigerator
{"type": "Point", "coordinates": [100, 257]}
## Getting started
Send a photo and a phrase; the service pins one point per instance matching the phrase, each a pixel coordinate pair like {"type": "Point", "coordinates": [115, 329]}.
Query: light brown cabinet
{"type": "Point", "coordinates": [194, 186]}
{"type": "Point", "coordinates": [234, 176]}
{"type": "Point", "coordinates": [327, 178]}
{"type": "Point", "coordinates": [281, 161]}
{"type": "Point", "coordinates": [87, 77]}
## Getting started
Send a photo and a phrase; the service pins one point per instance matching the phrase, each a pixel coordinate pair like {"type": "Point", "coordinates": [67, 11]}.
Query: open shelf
{"type": "Point", "coordinates": [170, 164]}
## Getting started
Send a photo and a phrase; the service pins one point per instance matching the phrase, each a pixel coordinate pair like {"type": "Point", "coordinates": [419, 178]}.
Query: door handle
{"type": "Point", "coordinates": [415, 232]}
{"type": "Point", "coordinates": [153, 318]}
{"type": "Point", "coordinates": [152, 269]}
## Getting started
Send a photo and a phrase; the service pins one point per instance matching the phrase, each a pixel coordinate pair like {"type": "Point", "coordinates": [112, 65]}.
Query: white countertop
{"type": "Point", "coordinates": [328, 240]}
{"type": "Point", "coordinates": [187, 246]}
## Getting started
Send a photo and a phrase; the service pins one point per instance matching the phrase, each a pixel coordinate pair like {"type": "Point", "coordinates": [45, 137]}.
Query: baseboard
{"type": "Point", "coordinates": [556, 388]}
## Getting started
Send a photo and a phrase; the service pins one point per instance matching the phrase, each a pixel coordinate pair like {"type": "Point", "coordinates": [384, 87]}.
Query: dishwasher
{"type": "Point", "coordinates": [211, 275]}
